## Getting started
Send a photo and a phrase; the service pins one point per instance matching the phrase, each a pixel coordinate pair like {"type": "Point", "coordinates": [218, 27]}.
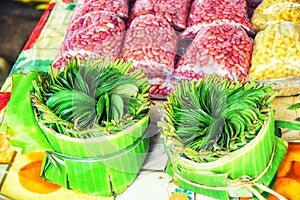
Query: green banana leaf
{"type": "Point", "coordinates": [96, 146]}
{"type": "Point", "coordinates": [106, 175]}
{"type": "Point", "coordinates": [192, 179]}
{"type": "Point", "coordinates": [22, 128]}
{"type": "Point", "coordinates": [234, 166]}
{"type": "Point", "coordinates": [197, 181]}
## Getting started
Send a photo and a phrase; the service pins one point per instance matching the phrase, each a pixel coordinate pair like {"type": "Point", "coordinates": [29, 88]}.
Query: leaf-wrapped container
{"type": "Point", "coordinates": [103, 173]}
{"type": "Point", "coordinates": [248, 171]}
{"type": "Point", "coordinates": [103, 157]}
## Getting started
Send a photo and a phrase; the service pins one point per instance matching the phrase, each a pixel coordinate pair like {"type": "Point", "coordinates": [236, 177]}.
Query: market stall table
{"type": "Point", "coordinates": [19, 173]}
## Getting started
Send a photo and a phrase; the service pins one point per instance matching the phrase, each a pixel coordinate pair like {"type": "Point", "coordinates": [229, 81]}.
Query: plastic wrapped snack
{"type": "Point", "coordinates": [275, 12]}
{"type": "Point", "coordinates": [276, 54]}
{"type": "Point", "coordinates": [98, 34]}
{"type": "Point", "coordinates": [222, 49]}
{"type": "Point", "coordinates": [204, 12]}
{"type": "Point", "coordinates": [118, 7]}
{"type": "Point", "coordinates": [150, 43]}
{"type": "Point", "coordinates": [174, 11]}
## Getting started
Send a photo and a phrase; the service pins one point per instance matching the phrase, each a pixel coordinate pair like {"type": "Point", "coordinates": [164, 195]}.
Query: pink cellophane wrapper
{"type": "Point", "coordinates": [97, 34]}
{"type": "Point", "coordinates": [150, 43]}
{"type": "Point", "coordinates": [174, 11]}
{"type": "Point", "coordinates": [205, 12]}
{"type": "Point", "coordinates": [221, 49]}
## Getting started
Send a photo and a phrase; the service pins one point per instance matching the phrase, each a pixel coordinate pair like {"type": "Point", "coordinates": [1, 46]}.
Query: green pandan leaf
{"type": "Point", "coordinates": [126, 90]}
{"type": "Point", "coordinates": [294, 106]}
{"type": "Point", "coordinates": [31, 65]}
{"type": "Point", "coordinates": [22, 128]}
{"type": "Point", "coordinates": [288, 125]}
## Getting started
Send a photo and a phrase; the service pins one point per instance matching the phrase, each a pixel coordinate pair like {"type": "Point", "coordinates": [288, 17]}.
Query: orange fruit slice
{"type": "Point", "coordinates": [29, 177]}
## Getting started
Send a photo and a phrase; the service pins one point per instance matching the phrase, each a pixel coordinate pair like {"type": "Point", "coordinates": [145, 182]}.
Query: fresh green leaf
{"type": "Point", "coordinates": [23, 129]}
{"type": "Point", "coordinates": [288, 125]}
{"type": "Point", "coordinates": [294, 106]}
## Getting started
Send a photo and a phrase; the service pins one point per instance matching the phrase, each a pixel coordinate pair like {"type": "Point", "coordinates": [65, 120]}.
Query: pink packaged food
{"type": "Point", "coordinates": [174, 11]}
{"type": "Point", "coordinates": [150, 43]}
{"type": "Point", "coordinates": [204, 12]}
{"type": "Point", "coordinates": [222, 49]}
{"type": "Point", "coordinates": [118, 7]}
{"type": "Point", "coordinates": [161, 87]}
{"type": "Point", "coordinates": [98, 34]}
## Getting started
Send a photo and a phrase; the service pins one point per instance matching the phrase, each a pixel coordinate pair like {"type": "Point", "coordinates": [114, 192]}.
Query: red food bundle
{"type": "Point", "coordinates": [174, 11]}
{"type": "Point", "coordinates": [150, 43]}
{"type": "Point", "coordinates": [205, 12]}
{"type": "Point", "coordinates": [222, 49]}
{"type": "Point", "coordinates": [96, 34]}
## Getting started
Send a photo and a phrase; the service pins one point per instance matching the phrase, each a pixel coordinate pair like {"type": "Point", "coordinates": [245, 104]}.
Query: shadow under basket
{"type": "Point", "coordinates": [246, 172]}
{"type": "Point", "coordinates": [101, 166]}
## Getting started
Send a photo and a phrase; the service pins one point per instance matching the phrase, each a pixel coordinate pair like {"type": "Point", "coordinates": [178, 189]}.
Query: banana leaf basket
{"type": "Point", "coordinates": [248, 171]}
{"type": "Point", "coordinates": [94, 115]}
{"type": "Point", "coordinates": [102, 166]}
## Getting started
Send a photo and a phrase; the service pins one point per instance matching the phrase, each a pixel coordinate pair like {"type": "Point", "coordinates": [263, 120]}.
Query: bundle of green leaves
{"type": "Point", "coordinates": [91, 98]}
{"type": "Point", "coordinates": [215, 116]}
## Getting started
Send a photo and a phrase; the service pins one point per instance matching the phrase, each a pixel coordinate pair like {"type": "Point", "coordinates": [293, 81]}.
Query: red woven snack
{"type": "Point", "coordinates": [221, 49]}
{"type": "Point", "coordinates": [118, 7]}
{"type": "Point", "coordinates": [205, 12]}
{"type": "Point", "coordinates": [174, 11]}
{"type": "Point", "coordinates": [150, 42]}
{"type": "Point", "coordinates": [99, 34]}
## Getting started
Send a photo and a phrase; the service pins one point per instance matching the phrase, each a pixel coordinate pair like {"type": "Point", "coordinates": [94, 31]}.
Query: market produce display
{"type": "Point", "coordinates": [275, 12]}
{"type": "Point", "coordinates": [164, 51]}
{"type": "Point", "coordinates": [214, 129]}
{"type": "Point", "coordinates": [202, 57]}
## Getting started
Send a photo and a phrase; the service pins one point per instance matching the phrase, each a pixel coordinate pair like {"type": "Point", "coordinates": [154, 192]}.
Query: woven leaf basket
{"type": "Point", "coordinates": [193, 141]}
{"type": "Point", "coordinates": [94, 115]}
{"type": "Point", "coordinates": [229, 176]}
{"type": "Point", "coordinates": [102, 166]}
